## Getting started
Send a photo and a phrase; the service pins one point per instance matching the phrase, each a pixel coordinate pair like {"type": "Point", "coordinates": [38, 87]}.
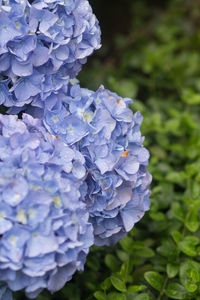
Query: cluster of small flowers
{"type": "Point", "coordinates": [102, 127]}
{"type": "Point", "coordinates": [39, 39]}
{"type": "Point", "coordinates": [43, 219]}
{"type": "Point", "coordinates": [73, 168]}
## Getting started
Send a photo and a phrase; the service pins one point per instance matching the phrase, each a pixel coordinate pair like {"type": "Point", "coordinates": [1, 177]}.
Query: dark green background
{"type": "Point", "coordinates": [151, 53]}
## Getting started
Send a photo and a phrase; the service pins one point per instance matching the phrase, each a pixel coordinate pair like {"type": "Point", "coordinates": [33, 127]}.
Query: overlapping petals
{"type": "Point", "coordinates": [107, 133]}
{"type": "Point", "coordinates": [39, 39]}
{"type": "Point", "coordinates": [44, 228]}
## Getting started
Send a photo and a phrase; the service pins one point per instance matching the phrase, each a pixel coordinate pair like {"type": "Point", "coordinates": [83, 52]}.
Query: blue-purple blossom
{"type": "Point", "coordinates": [102, 127]}
{"type": "Point", "coordinates": [41, 39]}
{"type": "Point", "coordinates": [44, 228]}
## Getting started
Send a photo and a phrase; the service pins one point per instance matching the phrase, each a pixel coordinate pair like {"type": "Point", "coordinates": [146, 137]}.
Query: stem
{"type": "Point", "coordinates": [163, 289]}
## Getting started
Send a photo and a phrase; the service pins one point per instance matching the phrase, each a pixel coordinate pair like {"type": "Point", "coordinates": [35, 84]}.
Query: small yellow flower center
{"type": "Point", "coordinates": [57, 202]}
{"type": "Point", "coordinates": [2, 215]}
{"type": "Point", "coordinates": [70, 128]}
{"type": "Point", "coordinates": [21, 217]}
{"type": "Point", "coordinates": [87, 116]}
{"type": "Point", "coordinates": [13, 240]}
{"type": "Point", "coordinates": [98, 101]}
{"type": "Point", "coordinates": [18, 25]}
{"type": "Point", "coordinates": [16, 197]}
{"type": "Point", "coordinates": [55, 119]}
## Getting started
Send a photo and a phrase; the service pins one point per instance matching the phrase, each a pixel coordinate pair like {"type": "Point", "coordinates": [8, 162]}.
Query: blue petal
{"type": "Point", "coordinates": [40, 245]}
{"type": "Point", "coordinates": [22, 68]}
{"type": "Point", "coordinates": [64, 274]}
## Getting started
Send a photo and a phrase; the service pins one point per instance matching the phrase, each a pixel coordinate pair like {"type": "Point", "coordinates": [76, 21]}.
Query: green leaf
{"type": "Point", "coordinates": [187, 246]}
{"type": "Point", "coordinates": [136, 288]}
{"type": "Point", "coordinates": [190, 97]}
{"type": "Point", "coordinates": [154, 279]}
{"type": "Point", "coordinates": [118, 283]}
{"type": "Point", "coordinates": [178, 211]}
{"type": "Point", "coordinates": [144, 252]}
{"type": "Point", "coordinates": [123, 256]}
{"type": "Point", "coordinates": [175, 177]}
{"type": "Point", "coordinates": [126, 88]}
{"type": "Point", "coordinates": [195, 275]}
{"type": "Point", "coordinates": [172, 270]}
{"type": "Point", "coordinates": [192, 168]}
{"type": "Point", "coordinates": [127, 243]}
{"type": "Point", "coordinates": [192, 220]}
{"type": "Point", "coordinates": [157, 216]}
{"type": "Point", "coordinates": [172, 124]}
{"type": "Point", "coordinates": [191, 287]}
{"type": "Point", "coordinates": [100, 295]}
{"type": "Point", "coordinates": [106, 284]}
{"type": "Point", "coordinates": [140, 249]}
{"type": "Point", "coordinates": [168, 249]}
{"type": "Point", "coordinates": [124, 270]}
{"type": "Point", "coordinates": [116, 296]}
{"type": "Point", "coordinates": [190, 274]}
{"type": "Point", "coordinates": [111, 262]}
{"type": "Point", "coordinates": [143, 296]}
{"type": "Point", "coordinates": [175, 291]}
{"type": "Point", "coordinates": [177, 236]}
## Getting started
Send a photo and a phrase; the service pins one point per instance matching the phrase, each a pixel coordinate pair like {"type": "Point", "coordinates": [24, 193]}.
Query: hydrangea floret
{"type": "Point", "coordinates": [44, 228]}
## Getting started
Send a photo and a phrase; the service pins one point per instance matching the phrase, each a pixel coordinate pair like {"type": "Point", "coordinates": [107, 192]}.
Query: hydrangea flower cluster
{"type": "Point", "coordinates": [73, 169]}
{"type": "Point", "coordinates": [40, 42]}
{"type": "Point", "coordinates": [45, 233]}
{"type": "Point", "coordinates": [102, 127]}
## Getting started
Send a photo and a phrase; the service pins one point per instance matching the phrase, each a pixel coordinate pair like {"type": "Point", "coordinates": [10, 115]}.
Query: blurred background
{"type": "Point", "coordinates": [151, 53]}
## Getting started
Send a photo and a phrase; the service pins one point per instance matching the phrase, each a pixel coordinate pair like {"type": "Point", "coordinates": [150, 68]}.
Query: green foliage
{"type": "Point", "coordinates": [157, 62]}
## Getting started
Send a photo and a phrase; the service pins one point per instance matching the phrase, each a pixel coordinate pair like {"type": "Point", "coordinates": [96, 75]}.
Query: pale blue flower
{"type": "Point", "coordinates": [45, 233]}
{"type": "Point", "coordinates": [46, 38]}
{"type": "Point", "coordinates": [108, 134]}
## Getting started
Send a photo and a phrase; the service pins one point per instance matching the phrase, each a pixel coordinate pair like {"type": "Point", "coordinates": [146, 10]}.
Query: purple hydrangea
{"type": "Point", "coordinates": [44, 228]}
{"type": "Point", "coordinates": [42, 39]}
{"type": "Point", "coordinates": [102, 127]}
